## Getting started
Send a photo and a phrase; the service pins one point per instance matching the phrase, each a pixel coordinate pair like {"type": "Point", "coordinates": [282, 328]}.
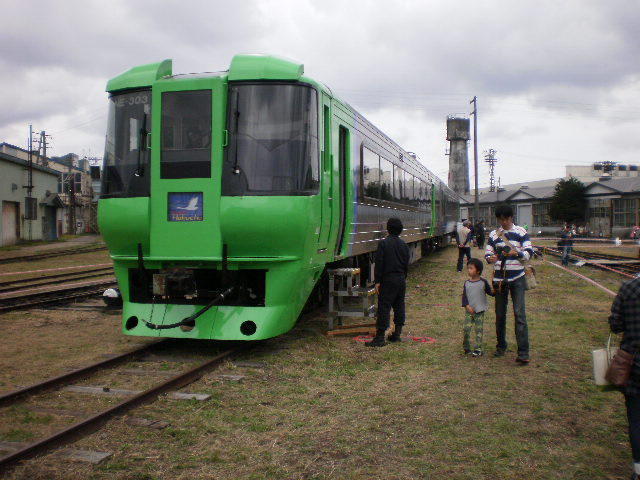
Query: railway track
{"type": "Point", "coordinates": [94, 421]}
{"type": "Point", "coordinates": [624, 266]}
{"type": "Point", "coordinates": [53, 253]}
{"type": "Point", "coordinates": [35, 297]}
{"type": "Point", "coordinates": [24, 283]}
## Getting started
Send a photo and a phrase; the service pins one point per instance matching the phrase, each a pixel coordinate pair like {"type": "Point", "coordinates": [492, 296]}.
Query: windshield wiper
{"type": "Point", "coordinates": [236, 167]}
{"type": "Point", "coordinates": [143, 146]}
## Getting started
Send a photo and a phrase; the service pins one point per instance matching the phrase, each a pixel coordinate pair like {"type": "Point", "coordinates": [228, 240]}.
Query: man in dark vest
{"type": "Point", "coordinates": [392, 263]}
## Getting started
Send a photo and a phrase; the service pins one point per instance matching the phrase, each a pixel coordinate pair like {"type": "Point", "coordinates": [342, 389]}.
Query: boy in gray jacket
{"type": "Point", "coordinates": [474, 301]}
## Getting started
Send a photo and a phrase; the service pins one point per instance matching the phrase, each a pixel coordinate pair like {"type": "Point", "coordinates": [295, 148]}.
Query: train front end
{"type": "Point", "coordinates": [210, 200]}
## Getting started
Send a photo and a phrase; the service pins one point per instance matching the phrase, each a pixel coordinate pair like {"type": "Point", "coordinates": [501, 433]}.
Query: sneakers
{"type": "Point", "coordinates": [467, 351]}
{"type": "Point", "coordinates": [476, 353]}
{"type": "Point", "coordinates": [498, 353]}
{"type": "Point", "coordinates": [522, 361]}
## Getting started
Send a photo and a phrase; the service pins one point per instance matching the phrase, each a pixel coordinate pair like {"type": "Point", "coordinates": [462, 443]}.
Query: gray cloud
{"type": "Point", "coordinates": [532, 64]}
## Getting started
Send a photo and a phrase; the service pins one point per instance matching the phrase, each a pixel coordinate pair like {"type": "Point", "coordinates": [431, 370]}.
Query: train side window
{"type": "Point", "coordinates": [408, 182]}
{"type": "Point", "coordinates": [386, 179]}
{"type": "Point", "coordinates": [398, 183]}
{"type": "Point", "coordinates": [186, 134]}
{"type": "Point", "coordinates": [425, 194]}
{"type": "Point", "coordinates": [327, 138]}
{"type": "Point", "coordinates": [370, 173]}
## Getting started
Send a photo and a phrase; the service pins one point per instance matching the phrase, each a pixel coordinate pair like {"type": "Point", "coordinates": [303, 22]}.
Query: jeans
{"type": "Point", "coordinates": [566, 251]}
{"type": "Point", "coordinates": [633, 416]}
{"type": "Point", "coordinates": [392, 291]}
{"type": "Point", "coordinates": [462, 251]}
{"type": "Point", "coordinates": [517, 289]}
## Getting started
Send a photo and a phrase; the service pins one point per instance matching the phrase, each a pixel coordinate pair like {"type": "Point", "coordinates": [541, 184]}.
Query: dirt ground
{"type": "Point", "coordinates": [68, 241]}
{"type": "Point", "coordinates": [330, 408]}
{"type": "Point", "coordinates": [48, 266]}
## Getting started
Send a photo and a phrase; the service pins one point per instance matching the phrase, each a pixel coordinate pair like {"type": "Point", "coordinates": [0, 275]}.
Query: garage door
{"type": "Point", "coordinates": [524, 215]}
{"type": "Point", "coordinates": [10, 232]}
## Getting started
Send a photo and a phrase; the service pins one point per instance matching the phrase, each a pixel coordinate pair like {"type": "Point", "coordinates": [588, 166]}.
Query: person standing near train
{"type": "Point", "coordinates": [463, 239]}
{"type": "Point", "coordinates": [391, 267]}
{"type": "Point", "coordinates": [508, 248]}
{"type": "Point", "coordinates": [480, 232]}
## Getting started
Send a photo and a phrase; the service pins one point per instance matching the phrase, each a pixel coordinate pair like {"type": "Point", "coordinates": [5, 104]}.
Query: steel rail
{"type": "Point", "coordinates": [88, 291]}
{"type": "Point", "coordinates": [94, 422]}
{"type": "Point", "coordinates": [29, 292]}
{"type": "Point", "coordinates": [556, 252]}
{"type": "Point", "coordinates": [10, 397]}
{"type": "Point", "coordinates": [606, 256]}
{"type": "Point", "coordinates": [53, 253]}
{"type": "Point", "coordinates": [59, 278]}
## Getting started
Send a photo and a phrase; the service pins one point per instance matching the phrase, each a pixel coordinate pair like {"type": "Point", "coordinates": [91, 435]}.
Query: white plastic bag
{"type": "Point", "coordinates": [601, 360]}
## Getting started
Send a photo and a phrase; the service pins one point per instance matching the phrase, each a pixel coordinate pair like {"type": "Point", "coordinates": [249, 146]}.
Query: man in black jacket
{"type": "Point", "coordinates": [392, 263]}
{"type": "Point", "coordinates": [625, 319]}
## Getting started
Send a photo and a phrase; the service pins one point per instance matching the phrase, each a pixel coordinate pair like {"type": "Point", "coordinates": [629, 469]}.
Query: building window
{"type": "Point", "coordinates": [599, 208]}
{"type": "Point", "coordinates": [541, 216]}
{"type": "Point", "coordinates": [624, 212]}
{"type": "Point", "coordinates": [484, 213]}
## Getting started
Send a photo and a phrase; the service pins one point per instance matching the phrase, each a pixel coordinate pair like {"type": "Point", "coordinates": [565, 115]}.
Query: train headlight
{"type": "Point", "coordinates": [112, 297]}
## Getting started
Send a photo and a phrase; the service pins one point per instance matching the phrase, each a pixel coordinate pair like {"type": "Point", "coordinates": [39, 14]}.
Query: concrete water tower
{"type": "Point", "coordinates": [458, 136]}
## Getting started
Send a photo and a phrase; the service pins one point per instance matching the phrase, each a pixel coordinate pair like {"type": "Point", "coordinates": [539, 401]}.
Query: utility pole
{"type": "Point", "coordinates": [476, 207]}
{"type": "Point", "coordinates": [72, 198]}
{"type": "Point", "coordinates": [43, 146]}
{"type": "Point", "coordinates": [490, 158]}
{"type": "Point", "coordinates": [28, 204]}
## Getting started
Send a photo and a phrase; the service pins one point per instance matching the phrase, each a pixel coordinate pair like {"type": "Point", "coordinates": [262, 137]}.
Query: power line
{"type": "Point", "coordinates": [73, 127]}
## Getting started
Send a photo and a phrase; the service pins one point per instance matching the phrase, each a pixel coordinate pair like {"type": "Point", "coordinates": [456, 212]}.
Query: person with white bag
{"type": "Point", "coordinates": [625, 319]}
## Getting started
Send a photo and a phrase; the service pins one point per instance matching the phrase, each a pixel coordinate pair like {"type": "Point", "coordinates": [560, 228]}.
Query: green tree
{"type": "Point", "coordinates": [569, 203]}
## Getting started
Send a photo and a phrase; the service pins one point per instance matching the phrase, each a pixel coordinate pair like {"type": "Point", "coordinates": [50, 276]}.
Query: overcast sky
{"type": "Point", "coordinates": [557, 82]}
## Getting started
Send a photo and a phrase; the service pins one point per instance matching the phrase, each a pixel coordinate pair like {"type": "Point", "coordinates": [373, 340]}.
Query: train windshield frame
{"type": "Point", "coordinates": [126, 168]}
{"type": "Point", "coordinates": [273, 144]}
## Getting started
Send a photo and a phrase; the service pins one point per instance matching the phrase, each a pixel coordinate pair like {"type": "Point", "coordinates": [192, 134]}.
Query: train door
{"type": "Point", "coordinates": [326, 190]}
{"type": "Point", "coordinates": [344, 147]}
{"type": "Point", "coordinates": [434, 209]}
{"type": "Point", "coordinates": [185, 200]}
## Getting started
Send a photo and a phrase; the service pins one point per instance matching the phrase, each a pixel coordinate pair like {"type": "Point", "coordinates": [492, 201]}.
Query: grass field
{"type": "Point", "coordinates": [330, 408]}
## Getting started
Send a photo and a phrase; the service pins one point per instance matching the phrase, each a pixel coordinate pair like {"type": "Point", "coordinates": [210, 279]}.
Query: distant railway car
{"type": "Point", "coordinates": [227, 195]}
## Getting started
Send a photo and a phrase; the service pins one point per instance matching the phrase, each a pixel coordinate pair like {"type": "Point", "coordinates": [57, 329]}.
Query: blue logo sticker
{"type": "Point", "coordinates": [185, 207]}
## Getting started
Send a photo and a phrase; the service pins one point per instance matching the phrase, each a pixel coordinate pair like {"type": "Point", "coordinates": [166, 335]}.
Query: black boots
{"type": "Point", "coordinates": [395, 336]}
{"type": "Point", "coordinates": [378, 340]}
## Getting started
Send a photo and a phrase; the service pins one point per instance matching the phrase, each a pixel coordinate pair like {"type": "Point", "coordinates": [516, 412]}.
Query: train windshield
{"type": "Point", "coordinates": [126, 168]}
{"type": "Point", "coordinates": [273, 140]}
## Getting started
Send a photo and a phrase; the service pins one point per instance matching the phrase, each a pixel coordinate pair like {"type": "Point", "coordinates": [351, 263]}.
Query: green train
{"type": "Point", "coordinates": [226, 196]}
